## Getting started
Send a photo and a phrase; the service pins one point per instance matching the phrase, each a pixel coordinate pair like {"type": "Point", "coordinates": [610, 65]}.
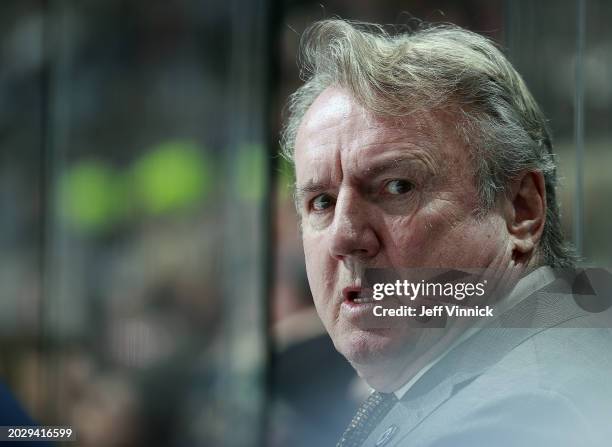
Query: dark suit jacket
{"type": "Point", "coordinates": [539, 375]}
{"type": "Point", "coordinates": [11, 415]}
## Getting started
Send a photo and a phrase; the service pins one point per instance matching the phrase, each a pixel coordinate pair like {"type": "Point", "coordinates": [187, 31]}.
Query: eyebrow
{"type": "Point", "coordinates": [399, 162]}
{"type": "Point", "coordinates": [310, 187]}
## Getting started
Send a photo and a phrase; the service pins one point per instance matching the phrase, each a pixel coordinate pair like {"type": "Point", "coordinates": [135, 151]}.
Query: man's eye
{"type": "Point", "coordinates": [321, 202]}
{"type": "Point", "coordinates": [397, 187]}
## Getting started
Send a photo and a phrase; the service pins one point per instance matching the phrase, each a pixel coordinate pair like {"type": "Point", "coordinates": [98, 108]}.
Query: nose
{"type": "Point", "coordinates": [353, 230]}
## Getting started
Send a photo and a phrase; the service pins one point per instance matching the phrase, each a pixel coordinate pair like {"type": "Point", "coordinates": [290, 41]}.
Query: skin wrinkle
{"type": "Point", "coordinates": [414, 158]}
{"type": "Point", "coordinates": [421, 133]}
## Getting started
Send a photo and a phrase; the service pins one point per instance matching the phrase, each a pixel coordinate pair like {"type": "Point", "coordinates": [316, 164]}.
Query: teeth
{"type": "Point", "coordinates": [363, 300]}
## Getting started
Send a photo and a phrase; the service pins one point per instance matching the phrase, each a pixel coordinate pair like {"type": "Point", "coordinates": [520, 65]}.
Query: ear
{"type": "Point", "coordinates": [525, 213]}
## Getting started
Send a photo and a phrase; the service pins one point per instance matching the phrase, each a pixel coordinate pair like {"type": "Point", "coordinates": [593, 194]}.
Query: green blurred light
{"type": "Point", "coordinates": [172, 176]}
{"type": "Point", "coordinates": [251, 176]}
{"type": "Point", "coordinates": [92, 195]}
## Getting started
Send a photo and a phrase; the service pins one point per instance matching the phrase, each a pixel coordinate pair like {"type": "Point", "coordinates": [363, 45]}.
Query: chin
{"type": "Point", "coordinates": [373, 348]}
{"type": "Point", "coordinates": [380, 356]}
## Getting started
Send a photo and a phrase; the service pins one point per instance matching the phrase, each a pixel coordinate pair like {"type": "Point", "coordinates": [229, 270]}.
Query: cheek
{"type": "Point", "coordinates": [416, 241]}
{"type": "Point", "coordinates": [485, 239]}
{"type": "Point", "coordinates": [407, 247]}
{"type": "Point", "coordinates": [471, 244]}
{"type": "Point", "coordinates": [442, 236]}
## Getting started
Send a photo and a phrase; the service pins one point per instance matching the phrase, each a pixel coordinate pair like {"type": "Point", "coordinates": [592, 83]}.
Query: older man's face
{"type": "Point", "coordinates": [376, 192]}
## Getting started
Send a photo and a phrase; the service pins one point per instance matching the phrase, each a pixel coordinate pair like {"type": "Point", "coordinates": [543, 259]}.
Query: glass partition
{"type": "Point", "coordinates": [153, 290]}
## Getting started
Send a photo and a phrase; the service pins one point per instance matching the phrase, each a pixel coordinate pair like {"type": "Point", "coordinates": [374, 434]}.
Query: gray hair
{"type": "Point", "coordinates": [433, 67]}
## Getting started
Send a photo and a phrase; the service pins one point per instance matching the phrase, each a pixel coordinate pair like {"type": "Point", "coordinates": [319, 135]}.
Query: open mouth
{"type": "Point", "coordinates": [357, 295]}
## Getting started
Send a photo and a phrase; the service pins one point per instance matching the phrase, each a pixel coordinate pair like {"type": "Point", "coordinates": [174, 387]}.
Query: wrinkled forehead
{"type": "Point", "coordinates": [336, 120]}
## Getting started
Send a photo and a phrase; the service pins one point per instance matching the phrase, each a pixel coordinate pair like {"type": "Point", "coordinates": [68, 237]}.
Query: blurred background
{"type": "Point", "coordinates": [152, 288]}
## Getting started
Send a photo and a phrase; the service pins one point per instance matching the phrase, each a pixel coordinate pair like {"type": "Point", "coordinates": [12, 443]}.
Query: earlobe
{"type": "Point", "coordinates": [526, 212]}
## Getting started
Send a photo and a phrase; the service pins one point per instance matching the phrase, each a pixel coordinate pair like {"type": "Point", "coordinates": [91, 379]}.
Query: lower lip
{"type": "Point", "coordinates": [352, 303]}
{"type": "Point", "coordinates": [355, 310]}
